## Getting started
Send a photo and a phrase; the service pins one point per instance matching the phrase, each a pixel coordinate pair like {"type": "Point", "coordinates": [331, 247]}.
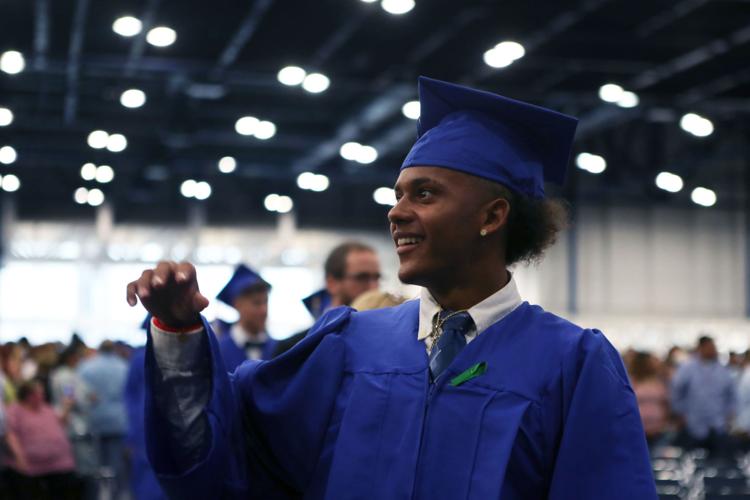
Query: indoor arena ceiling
{"type": "Point", "coordinates": [675, 56]}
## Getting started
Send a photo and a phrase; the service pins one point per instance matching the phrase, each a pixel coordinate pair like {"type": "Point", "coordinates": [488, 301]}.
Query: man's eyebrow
{"type": "Point", "coordinates": [419, 181]}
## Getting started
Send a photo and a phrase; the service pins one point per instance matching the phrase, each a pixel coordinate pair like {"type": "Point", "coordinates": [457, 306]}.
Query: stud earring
{"type": "Point", "coordinates": [483, 232]}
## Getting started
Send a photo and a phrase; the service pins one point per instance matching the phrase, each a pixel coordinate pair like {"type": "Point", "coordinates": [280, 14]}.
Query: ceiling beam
{"type": "Point", "coordinates": [138, 47]}
{"type": "Point", "coordinates": [241, 37]}
{"type": "Point", "coordinates": [338, 39]}
{"type": "Point", "coordinates": [676, 12]}
{"type": "Point", "coordinates": [41, 33]}
{"type": "Point", "coordinates": [691, 59]}
{"type": "Point", "coordinates": [605, 116]}
{"type": "Point", "coordinates": [74, 57]}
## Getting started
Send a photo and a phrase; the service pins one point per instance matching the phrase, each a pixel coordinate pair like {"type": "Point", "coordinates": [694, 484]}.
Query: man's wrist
{"type": "Point", "coordinates": [174, 327]}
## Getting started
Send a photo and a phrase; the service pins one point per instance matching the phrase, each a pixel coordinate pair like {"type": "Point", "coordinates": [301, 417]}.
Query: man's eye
{"type": "Point", "coordinates": [424, 193]}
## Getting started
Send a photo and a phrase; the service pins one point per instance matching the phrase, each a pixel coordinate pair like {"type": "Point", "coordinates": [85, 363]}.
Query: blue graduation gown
{"type": "Point", "coordinates": [350, 413]}
{"type": "Point", "coordinates": [143, 482]}
{"type": "Point", "coordinates": [234, 355]}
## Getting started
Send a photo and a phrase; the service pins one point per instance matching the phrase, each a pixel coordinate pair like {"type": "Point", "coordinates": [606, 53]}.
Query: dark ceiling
{"type": "Point", "coordinates": [677, 55]}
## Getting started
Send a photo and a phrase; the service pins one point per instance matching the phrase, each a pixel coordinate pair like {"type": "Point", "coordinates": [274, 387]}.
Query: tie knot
{"type": "Point", "coordinates": [459, 322]}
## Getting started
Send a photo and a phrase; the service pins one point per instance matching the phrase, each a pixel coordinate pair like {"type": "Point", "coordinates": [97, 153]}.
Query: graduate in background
{"type": "Point", "coordinates": [468, 392]}
{"type": "Point", "coordinates": [351, 269]}
{"type": "Point", "coordinates": [247, 338]}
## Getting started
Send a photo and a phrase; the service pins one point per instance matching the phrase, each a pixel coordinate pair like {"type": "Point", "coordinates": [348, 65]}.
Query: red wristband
{"type": "Point", "coordinates": [175, 329]}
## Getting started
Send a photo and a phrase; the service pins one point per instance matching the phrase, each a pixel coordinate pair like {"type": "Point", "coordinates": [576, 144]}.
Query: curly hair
{"type": "Point", "coordinates": [533, 224]}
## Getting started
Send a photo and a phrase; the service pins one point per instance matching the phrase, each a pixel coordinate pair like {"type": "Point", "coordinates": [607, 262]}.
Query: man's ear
{"type": "Point", "coordinates": [495, 214]}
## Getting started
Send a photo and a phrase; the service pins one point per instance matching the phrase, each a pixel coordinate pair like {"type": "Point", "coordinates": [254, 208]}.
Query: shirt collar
{"type": "Point", "coordinates": [240, 337]}
{"type": "Point", "coordinates": [486, 313]}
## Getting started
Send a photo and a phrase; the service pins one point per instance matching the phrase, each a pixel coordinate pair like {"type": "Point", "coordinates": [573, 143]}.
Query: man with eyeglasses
{"type": "Point", "coordinates": [351, 269]}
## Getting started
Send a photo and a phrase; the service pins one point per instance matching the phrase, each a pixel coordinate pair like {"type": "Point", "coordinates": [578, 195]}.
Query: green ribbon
{"type": "Point", "coordinates": [473, 372]}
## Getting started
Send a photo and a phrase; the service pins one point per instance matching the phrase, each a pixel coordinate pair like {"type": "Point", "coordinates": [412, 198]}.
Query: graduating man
{"type": "Point", "coordinates": [468, 392]}
{"type": "Point", "coordinates": [246, 339]}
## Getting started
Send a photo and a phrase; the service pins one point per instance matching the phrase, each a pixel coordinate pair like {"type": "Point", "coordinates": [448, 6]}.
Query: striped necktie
{"type": "Point", "coordinates": [455, 326]}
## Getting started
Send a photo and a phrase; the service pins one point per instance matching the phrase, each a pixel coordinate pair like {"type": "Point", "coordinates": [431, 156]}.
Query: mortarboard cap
{"type": "Point", "coordinates": [517, 144]}
{"type": "Point", "coordinates": [242, 279]}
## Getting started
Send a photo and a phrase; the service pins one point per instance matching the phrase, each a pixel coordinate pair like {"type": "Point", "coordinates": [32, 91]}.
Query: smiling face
{"type": "Point", "coordinates": [436, 225]}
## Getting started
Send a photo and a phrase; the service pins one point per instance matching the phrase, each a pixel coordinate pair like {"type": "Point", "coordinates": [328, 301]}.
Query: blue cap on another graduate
{"type": "Point", "coordinates": [318, 302]}
{"type": "Point", "coordinates": [517, 144]}
{"type": "Point", "coordinates": [242, 279]}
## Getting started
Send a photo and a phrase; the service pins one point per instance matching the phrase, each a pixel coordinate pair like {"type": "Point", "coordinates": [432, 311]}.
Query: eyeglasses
{"type": "Point", "coordinates": [363, 277]}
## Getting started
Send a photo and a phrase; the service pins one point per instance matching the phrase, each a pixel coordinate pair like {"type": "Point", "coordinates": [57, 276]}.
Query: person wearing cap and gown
{"type": "Point", "coordinates": [469, 392]}
{"type": "Point", "coordinates": [143, 482]}
{"type": "Point", "coordinates": [351, 269]}
{"type": "Point", "coordinates": [247, 338]}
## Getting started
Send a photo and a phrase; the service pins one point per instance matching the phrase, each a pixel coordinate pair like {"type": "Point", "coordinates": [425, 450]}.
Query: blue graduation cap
{"type": "Point", "coordinates": [318, 302]}
{"type": "Point", "coordinates": [511, 142]}
{"type": "Point", "coordinates": [242, 279]}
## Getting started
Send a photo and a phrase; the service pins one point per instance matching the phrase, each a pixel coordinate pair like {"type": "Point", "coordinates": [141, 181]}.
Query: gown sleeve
{"type": "Point", "coordinates": [602, 450]}
{"type": "Point", "coordinates": [265, 424]}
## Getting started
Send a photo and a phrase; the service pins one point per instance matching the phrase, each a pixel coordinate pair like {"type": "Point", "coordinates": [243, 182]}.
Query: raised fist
{"type": "Point", "coordinates": [170, 293]}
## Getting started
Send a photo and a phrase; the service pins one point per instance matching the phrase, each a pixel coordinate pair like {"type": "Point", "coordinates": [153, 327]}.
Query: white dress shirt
{"type": "Point", "coordinates": [484, 314]}
{"type": "Point", "coordinates": [240, 338]}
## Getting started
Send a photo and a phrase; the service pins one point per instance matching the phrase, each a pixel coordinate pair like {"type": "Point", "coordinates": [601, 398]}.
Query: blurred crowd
{"type": "Point", "coordinates": [63, 422]}
{"type": "Point", "coordinates": [693, 397]}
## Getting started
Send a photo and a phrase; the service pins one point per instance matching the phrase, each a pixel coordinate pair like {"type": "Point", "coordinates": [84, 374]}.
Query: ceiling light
{"type": "Point", "coordinates": [98, 139]}
{"type": "Point", "coordinates": [227, 165]}
{"type": "Point", "coordinates": [411, 110]}
{"type": "Point", "coordinates": [384, 196]}
{"type": "Point", "coordinates": [8, 155]}
{"type": "Point", "coordinates": [127, 26]}
{"type": "Point", "coordinates": [697, 125]}
{"type": "Point", "coordinates": [187, 188]}
{"type": "Point", "coordinates": [292, 75]}
{"type": "Point", "coordinates": [12, 62]}
{"type": "Point", "coordinates": [88, 172]}
{"type": "Point", "coordinates": [316, 83]}
{"type": "Point", "coordinates": [611, 92]}
{"type": "Point", "coordinates": [105, 174]}
{"type": "Point", "coordinates": [161, 36]}
{"type": "Point", "coordinates": [6, 117]}
{"type": "Point", "coordinates": [669, 182]}
{"type": "Point", "coordinates": [246, 125]}
{"type": "Point", "coordinates": [397, 7]}
{"type": "Point", "coordinates": [117, 143]}
{"type": "Point", "coordinates": [265, 130]}
{"type": "Point", "coordinates": [133, 98]}
{"type": "Point", "coordinates": [366, 155]}
{"type": "Point", "coordinates": [202, 190]}
{"type": "Point", "coordinates": [95, 197]}
{"type": "Point", "coordinates": [700, 196]}
{"type": "Point", "coordinates": [11, 183]}
{"type": "Point", "coordinates": [81, 195]}
{"type": "Point", "coordinates": [591, 163]}
{"type": "Point", "coordinates": [350, 150]}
